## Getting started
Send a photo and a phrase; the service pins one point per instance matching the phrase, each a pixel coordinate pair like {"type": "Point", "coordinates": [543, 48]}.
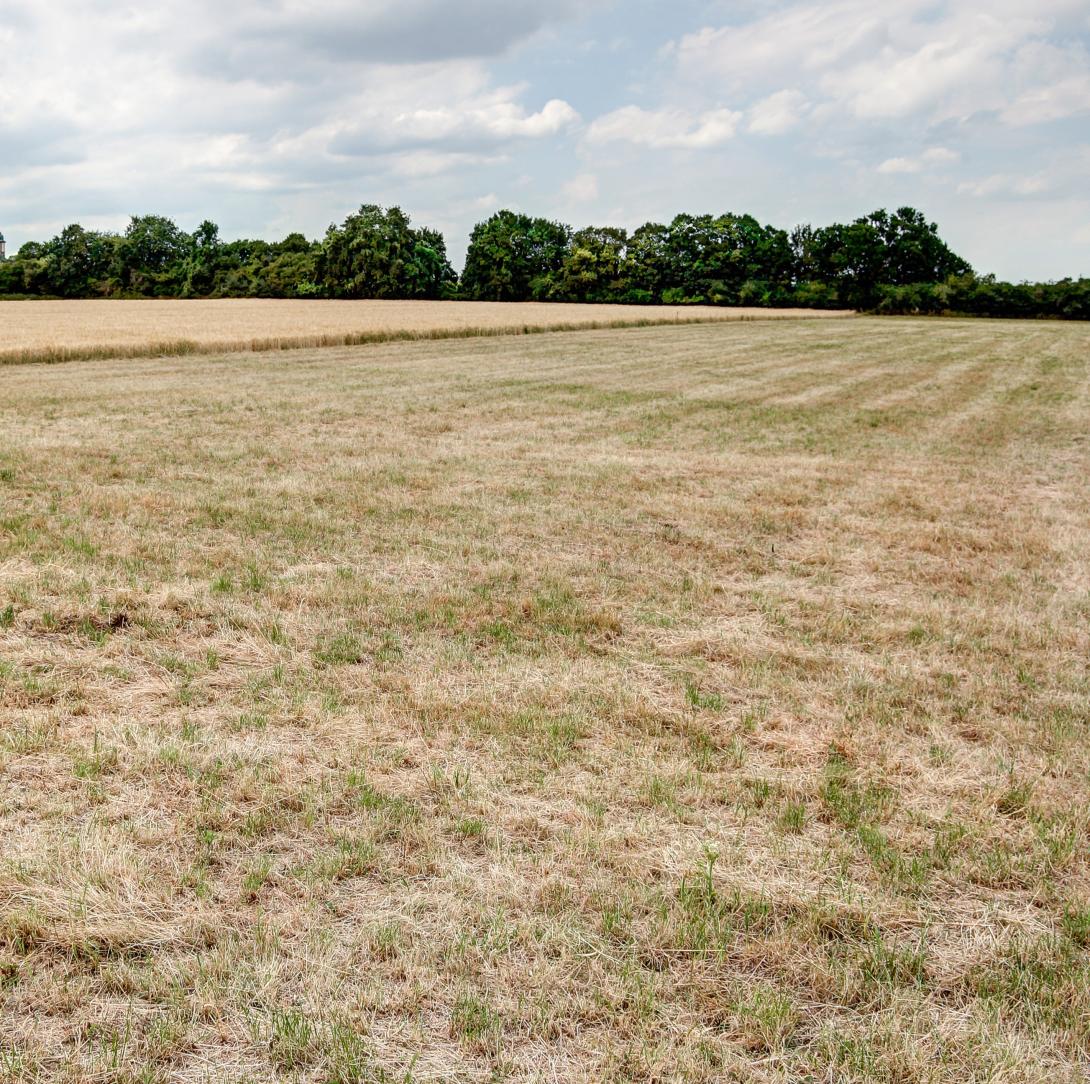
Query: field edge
{"type": "Point", "coordinates": [52, 355]}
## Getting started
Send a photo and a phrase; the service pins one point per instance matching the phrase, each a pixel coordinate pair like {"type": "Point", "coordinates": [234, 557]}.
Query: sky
{"type": "Point", "coordinates": [270, 116]}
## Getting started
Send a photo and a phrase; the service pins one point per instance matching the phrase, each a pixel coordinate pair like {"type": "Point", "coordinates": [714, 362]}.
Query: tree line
{"type": "Point", "coordinates": [884, 262]}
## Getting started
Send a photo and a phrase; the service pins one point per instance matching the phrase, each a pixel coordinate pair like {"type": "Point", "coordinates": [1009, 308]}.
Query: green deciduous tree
{"type": "Point", "coordinates": [593, 268]}
{"type": "Point", "coordinates": [513, 257]}
{"type": "Point", "coordinates": [377, 253]}
{"type": "Point", "coordinates": [150, 257]}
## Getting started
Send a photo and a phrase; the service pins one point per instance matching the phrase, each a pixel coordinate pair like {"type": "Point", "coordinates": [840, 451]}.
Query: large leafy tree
{"type": "Point", "coordinates": [876, 250]}
{"type": "Point", "coordinates": [513, 257]}
{"type": "Point", "coordinates": [914, 252]}
{"type": "Point", "coordinates": [648, 266]}
{"type": "Point", "coordinates": [150, 257]}
{"type": "Point", "coordinates": [76, 262]}
{"type": "Point", "coordinates": [377, 253]}
{"type": "Point", "coordinates": [199, 266]}
{"type": "Point", "coordinates": [716, 259]}
{"type": "Point", "coordinates": [593, 268]}
{"type": "Point", "coordinates": [428, 273]}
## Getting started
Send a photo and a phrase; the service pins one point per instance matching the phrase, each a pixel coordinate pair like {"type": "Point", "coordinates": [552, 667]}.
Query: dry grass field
{"type": "Point", "coordinates": [33, 331]}
{"type": "Point", "coordinates": [700, 704]}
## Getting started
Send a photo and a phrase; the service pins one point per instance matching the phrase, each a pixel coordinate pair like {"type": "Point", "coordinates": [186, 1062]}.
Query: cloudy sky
{"type": "Point", "coordinates": [275, 115]}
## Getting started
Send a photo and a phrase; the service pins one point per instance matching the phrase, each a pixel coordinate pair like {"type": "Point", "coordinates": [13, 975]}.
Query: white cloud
{"type": "Point", "coordinates": [778, 113]}
{"type": "Point", "coordinates": [429, 163]}
{"type": "Point", "coordinates": [500, 118]}
{"type": "Point", "coordinates": [934, 156]}
{"type": "Point", "coordinates": [1005, 184]}
{"type": "Point", "coordinates": [900, 165]}
{"type": "Point", "coordinates": [581, 189]}
{"type": "Point", "coordinates": [1065, 98]}
{"type": "Point", "coordinates": [664, 129]}
{"type": "Point", "coordinates": [940, 61]}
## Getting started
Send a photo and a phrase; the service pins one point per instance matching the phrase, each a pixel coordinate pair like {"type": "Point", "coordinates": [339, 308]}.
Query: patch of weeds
{"type": "Point", "coordinates": [251, 720]}
{"type": "Point", "coordinates": [553, 612]}
{"type": "Point", "coordinates": [223, 584]}
{"type": "Point", "coordinates": [79, 547]}
{"type": "Point", "coordinates": [1043, 982]}
{"type": "Point", "coordinates": [350, 858]}
{"type": "Point", "coordinates": [502, 634]}
{"type": "Point", "coordinates": [9, 974]}
{"type": "Point", "coordinates": [904, 874]}
{"type": "Point", "coordinates": [470, 828]}
{"type": "Point", "coordinates": [22, 738]}
{"type": "Point", "coordinates": [96, 763]}
{"type": "Point", "coordinates": [474, 1022]}
{"type": "Point", "coordinates": [7, 616]}
{"type": "Point", "coordinates": [349, 1058]}
{"type": "Point", "coordinates": [702, 920]}
{"type": "Point", "coordinates": [700, 701]}
{"type": "Point", "coordinates": [616, 920]}
{"type": "Point", "coordinates": [292, 1039]}
{"type": "Point", "coordinates": [1015, 800]}
{"type": "Point", "coordinates": [254, 580]}
{"type": "Point", "coordinates": [389, 649]}
{"type": "Point", "coordinates": [1026, 678]}
{"type": "Point", "coordinates": [178, 666]}
{"type": "Point", "coordinates": [1062, 836]}
{"type": "Point", "coordinates": [386, 942]}
{"type": "Point", "coordinates": [22, 928]}
{"type": "Point", "coordinates": [392, 807]}
{"type": "Point", "coordinates": [275, 635]}
{"type": "Point", "coordinates": [755, 794]}
{"type": "Point", "coordinates": [1076, 927]}
{"type": "Point", "coordinates": [93, 630]}
{"type": "Point", "coordinates": [947, 844]}
{"type": "Point", "coordinates": [344, 649]}
{"type": "Point", "coordinates": [1059, 726]}
{"type": "Point", "coordinates": [549, 738]}
{"type": "Point", "coordinates": [27, 685]}
{"type": "Point", "coordinates": [752, 718]}
{"type": "Point", "coordinates": [845, 802]}
{"type": "Point", "coordinates": [884, 967]}
{"type": "Point", "coordinates": [766, 1018]}
{"type": "Point", "coordinates": [661, 792]}
{"type": "Point", "coordinates": [445, 782]}
{"type": "Point", "coordinates": [735, 753]}
{"type": "Point", "coordinates": [704, 752]}
{"type": "Point", "coordinates": [256, 878]}
{"type": "Point", "coordinates": [792, 818]}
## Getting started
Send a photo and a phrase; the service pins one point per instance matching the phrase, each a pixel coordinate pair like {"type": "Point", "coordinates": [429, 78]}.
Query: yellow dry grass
{"type": "Point", "coordinates": [682, 704]}
{"type": "Point", "coordinates": [33, 331]}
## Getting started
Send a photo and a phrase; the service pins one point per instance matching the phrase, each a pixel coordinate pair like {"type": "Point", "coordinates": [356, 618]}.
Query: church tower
{"type": "Point", "coordinates": [3, 248]}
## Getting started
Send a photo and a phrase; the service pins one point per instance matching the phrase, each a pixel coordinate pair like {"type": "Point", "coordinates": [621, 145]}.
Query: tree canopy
{"type": "Point", "coordinates": [884, 261]}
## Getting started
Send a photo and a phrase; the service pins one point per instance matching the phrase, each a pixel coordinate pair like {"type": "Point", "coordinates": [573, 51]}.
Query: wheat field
{"type": "Point", "coordinates": [705, 703]}
{"type": "Point", "coordinates": [45, 331]}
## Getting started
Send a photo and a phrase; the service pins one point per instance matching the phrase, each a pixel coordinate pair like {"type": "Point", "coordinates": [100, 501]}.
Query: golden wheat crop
{"type": "Point", "coordinates": [66, 330]}
{"type": "Point", "coordinates": [689, 704]}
